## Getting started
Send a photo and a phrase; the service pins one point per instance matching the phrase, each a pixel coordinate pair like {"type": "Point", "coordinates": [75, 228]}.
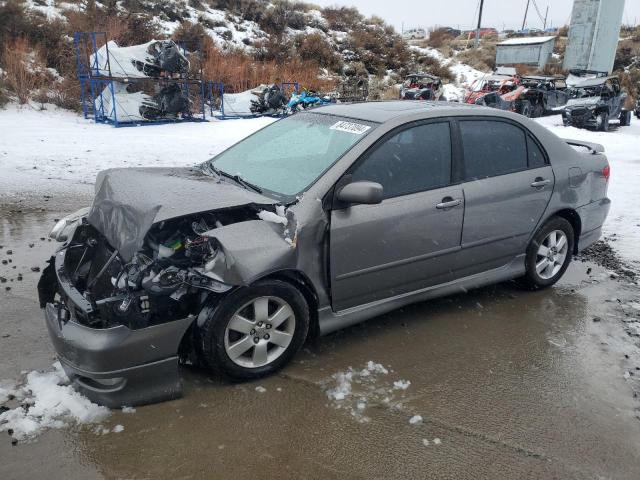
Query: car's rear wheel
{"type": "Point", "coordinates": [548, 254]}
{"type": "Point", "coordinates": [625, 118]}
{"type": "Point", "coordinates": [525, 109]}
{"type": "Point", "coordinates": [255, 331]}
{"type": "Point", "coordinates": [602, 122]}
{"type": "Point", "coordinates": [538, 111]}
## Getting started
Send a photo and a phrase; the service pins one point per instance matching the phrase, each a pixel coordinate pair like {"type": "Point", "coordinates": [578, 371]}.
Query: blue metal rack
{"type": "Point", "coordinates": [99, 88]}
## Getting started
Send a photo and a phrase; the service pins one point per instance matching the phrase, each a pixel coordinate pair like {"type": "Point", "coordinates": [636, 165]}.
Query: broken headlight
{"type": "Point", "coordinates": [63, 227]}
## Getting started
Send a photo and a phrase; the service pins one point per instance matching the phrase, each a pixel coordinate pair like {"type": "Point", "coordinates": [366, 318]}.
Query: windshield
{"type": "Point", "coordinates": [288, 156]}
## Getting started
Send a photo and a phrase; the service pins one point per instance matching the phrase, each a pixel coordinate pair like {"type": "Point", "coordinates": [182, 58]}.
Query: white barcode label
{"type": "Point", "coordinates": [350, 127]}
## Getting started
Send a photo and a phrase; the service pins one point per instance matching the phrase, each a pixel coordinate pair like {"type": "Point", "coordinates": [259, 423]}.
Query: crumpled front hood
{"type": "Point", "coordinates": [128, 201]}
{"type": "Point", "coordinates": [582, 102]}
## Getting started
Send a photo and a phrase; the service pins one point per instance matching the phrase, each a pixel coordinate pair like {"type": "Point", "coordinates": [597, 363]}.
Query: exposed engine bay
{"type": "Point", "coordinates": [171, 277]}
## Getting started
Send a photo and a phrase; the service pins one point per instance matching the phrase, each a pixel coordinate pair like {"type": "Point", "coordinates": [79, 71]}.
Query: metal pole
{"type": "Point", "coordinates": [546, 15]}
{"type": "Point", "coordinates": [479, 23]}
{"type": "Point", "coordinates": [524, 22]}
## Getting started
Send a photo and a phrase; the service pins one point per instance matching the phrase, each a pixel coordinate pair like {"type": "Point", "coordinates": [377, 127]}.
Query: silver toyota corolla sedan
{"type": "Point", "coordinates": [316, 222]}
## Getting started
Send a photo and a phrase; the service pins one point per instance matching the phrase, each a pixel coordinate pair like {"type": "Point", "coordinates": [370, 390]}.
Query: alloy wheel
{"type": "Point", "coordinates": [259, 332]}
{"type": "Point", "coordinates": [552, 254]}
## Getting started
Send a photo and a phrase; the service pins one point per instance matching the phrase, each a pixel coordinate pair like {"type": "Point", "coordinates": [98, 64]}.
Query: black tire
{"type": "Point", "coordinates": [604, 122]}
{"type": "Point", "coordinates": [538, 111]}
{"type": "Point", "coordinates": [212, 332]}
{"type": "Point", "coordinates": [532, 279]}
{"type": "Point", "coordinates": [525, 109]}
{"type": "Point", "coordinates": [625, 118]}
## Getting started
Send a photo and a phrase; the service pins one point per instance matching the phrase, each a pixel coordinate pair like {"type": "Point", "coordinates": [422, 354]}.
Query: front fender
{"type": "Point", "coordinates": [251, 250]}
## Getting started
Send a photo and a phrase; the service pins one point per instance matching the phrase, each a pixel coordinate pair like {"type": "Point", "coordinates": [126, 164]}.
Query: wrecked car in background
{"type": "Point", "coordinates": [594, 101]}
{"type": "Point", "coordinates": [502, 81]}
{"type": "Point", "coordinates": [314, 223]}
{"type": "Point", "coordinates": [421, 86]}
{"type": "Point", "coordinates": [544, 94]}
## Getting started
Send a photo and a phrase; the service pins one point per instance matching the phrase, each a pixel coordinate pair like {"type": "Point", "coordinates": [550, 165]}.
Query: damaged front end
{"type": "Point", "coordinates": [119, 325]}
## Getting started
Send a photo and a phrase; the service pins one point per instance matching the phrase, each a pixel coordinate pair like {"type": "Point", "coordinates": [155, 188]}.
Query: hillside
{"type": "Point", "coordinates": [244, 43]}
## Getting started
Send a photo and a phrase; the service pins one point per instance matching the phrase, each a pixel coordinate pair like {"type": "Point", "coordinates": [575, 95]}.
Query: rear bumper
{"type": "Point", "coordinates": [114, 366]}
{"type": "Point", "coordinates": [592, 216]}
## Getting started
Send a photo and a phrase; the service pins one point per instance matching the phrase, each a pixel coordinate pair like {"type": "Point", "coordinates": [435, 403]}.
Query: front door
{"type": "Point", "coordinates": [406, 242]}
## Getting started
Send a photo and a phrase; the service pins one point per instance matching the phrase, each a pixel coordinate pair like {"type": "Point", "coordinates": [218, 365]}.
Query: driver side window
{"type": "Point", "coordinates": [413, 160]}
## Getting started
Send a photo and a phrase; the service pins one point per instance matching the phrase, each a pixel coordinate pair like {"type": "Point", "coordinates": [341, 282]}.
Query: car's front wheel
{"type": "Point", "coordinates": [602, 122]}
{"type": "Point", "coordinates": [548, 254]}
{"type": "Point", "coordinates": [255, 331]}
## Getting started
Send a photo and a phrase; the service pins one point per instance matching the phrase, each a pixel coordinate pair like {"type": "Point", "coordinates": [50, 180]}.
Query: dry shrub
{"type": "Point", "coordinates": [439, 38]}
{"type": "Point", "coordinates": [315, 48]}
{"type": "Point", "coordinates": [342, 18]}
{"type": "Point", "coordinates": [240, 72]}
{"type": "Point", "coordinates": [24, 69]}
{"type": "Point", "coordinates": [483, 59]}
{"type": "Point", "coordinates": [630, 81]}
{"type": "Point", "coordinates": [65, 94]}
{"type": "Point", "coordinates": [429, 64]}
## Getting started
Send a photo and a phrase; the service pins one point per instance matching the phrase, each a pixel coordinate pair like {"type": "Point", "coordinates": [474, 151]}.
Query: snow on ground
{"type": "Point", "coordinates": [56, 150]}
{"type": "Point", "coordinates": [622, 147]}
{"type": "Point", "coordinates": [46, 400]}
{"type": "Point", "coordinates": [355, 390]}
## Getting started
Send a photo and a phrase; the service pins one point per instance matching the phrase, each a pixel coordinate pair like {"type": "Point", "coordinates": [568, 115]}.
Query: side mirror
{"type": "Point", "coordinates": [366, 193]}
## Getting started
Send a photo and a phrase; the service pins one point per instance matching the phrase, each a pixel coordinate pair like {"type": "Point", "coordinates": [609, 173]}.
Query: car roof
{"type": "Point", "coordinates": [383, 111]}
{"type": "Point", "coordinates": [593, 82]}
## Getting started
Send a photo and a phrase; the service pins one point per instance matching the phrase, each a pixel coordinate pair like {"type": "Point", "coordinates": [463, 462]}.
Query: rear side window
{"type": "Point", "coordinates": [492, 148]}
{"type": "Point", "coordinates": [536, 157]}
{"type": "Point", "coordinates": [413, 160]}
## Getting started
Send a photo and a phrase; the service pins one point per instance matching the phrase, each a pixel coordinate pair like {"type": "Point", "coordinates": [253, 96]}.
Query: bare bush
{"type": "Point", "coordinates": [439, 38]}
{"type": "Point", "coordinates": [24, 69]}
{"type": "Point", "coordinates": [240, 71]}
{"type": "Point", "coordinates": [315, 48]}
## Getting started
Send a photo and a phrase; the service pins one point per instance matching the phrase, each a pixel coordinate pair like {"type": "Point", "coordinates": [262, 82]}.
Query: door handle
{"type": "Point", "coordinates": [540, 182]}
{"type": "Point", "coordinates": [448, 202]}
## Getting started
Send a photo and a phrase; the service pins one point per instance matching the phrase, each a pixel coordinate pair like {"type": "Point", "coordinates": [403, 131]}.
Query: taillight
{"type": "Point", "coordinates": [606, 172]}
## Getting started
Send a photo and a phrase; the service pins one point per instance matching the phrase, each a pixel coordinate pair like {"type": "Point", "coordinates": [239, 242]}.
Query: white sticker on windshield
{"type": "Point", "coordinates": [350, 127]}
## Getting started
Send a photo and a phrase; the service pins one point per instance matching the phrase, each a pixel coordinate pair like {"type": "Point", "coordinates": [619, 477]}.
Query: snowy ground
{"type": "Point", "coordinates": [46, 400]}
{"type": "Point", "coordinates": [55, 150]}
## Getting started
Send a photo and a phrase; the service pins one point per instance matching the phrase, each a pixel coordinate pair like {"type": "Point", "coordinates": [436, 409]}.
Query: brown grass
{"type": "Point", "coordinates": [240, 72]}
{"type": "Point", "coordinates": [24, 68]}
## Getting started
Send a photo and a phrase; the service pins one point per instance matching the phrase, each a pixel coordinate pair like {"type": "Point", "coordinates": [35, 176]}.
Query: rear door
{"type": "Point", "coordinates": [406, 242]}
{"type": "Point", "coordinates": [507, 185]}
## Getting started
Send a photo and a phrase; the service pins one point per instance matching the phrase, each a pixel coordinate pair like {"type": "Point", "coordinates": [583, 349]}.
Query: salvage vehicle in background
{"type": "Point", "coordinates": [544, 94]}
{"type": "Point", "coordinates": [318, 221]}
{"type": "Point", "coordinates": [511, 101]}
{"type": "Point", "coordinates": [500, 83]}
{"type": "Point", "coordinates": [594, 102]}
{"type": "Point", "coordinates": [421, 86]}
